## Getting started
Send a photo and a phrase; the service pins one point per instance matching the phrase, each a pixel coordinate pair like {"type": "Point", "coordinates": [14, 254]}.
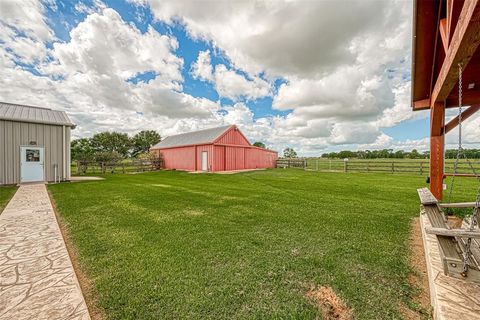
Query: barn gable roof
{"type": "Point", "coordinates": [193, 138]}
{"type": "Point", "coordinates": [23, 113]}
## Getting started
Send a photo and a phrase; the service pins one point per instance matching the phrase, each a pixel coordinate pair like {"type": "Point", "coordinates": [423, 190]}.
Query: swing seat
{"type": "Point", "coordinates": [451, 242]}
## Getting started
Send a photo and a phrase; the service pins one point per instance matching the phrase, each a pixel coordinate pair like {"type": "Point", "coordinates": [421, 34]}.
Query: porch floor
{"type": "Point", "coordinates": [451, 298]}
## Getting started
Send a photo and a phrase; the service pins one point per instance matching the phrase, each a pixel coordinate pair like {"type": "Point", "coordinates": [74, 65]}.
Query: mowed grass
{"type": "Point", "coordinates": [6, 193]}
{"type": "Point", "coordinates": [173, 245]}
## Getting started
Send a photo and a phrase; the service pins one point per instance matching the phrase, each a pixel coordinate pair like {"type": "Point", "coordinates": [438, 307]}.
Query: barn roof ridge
{"type": "Point", "coordinates": [203, 136]}
{"type": "Point", "coordinates": [33, 114]}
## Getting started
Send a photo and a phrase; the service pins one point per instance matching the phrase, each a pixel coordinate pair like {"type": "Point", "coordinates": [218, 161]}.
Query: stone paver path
{"type": "Point", "coordinates": [451, 298]}
{"type": "Point", "coordinates": [37, 280]}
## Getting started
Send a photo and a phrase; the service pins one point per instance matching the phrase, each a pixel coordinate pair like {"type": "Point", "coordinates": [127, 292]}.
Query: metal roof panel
{"type": "Point", "coordinates": [192, 138]}
{"type": "Point", "coordinates": [23, 113]}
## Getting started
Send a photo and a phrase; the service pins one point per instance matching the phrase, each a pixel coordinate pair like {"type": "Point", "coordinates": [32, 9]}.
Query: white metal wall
{"type": "Point", "coordinates": [15, 134]}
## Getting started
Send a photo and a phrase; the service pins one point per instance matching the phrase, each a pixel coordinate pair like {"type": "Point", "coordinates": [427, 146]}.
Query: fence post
{"type": "Point", "coordinates": [316, 165]}
{"type": "Point", "coordinates": [368, 166]}
{"type": "Point", "coordinates": [393, 167]}
{"type": "Point", "coordinates": [421, 168]}
{"type": "Point", "coordinates": [123, 168]}
{"type": "Point", "coordinates": [345, 165]}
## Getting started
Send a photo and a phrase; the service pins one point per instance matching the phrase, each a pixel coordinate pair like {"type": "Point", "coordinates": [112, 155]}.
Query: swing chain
{"type": "Point", "coordinates": [460, 96]}
{"type": "Point", "coordinates": [460, 153]}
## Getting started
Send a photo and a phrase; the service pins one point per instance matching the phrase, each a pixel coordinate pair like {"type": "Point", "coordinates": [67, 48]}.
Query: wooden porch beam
{"type": "Point", "coordinates": [465, 115]}
{"type": "Point", "coordinates": [437, 119]}
{"type": "Point", "coordinates": [449, 16]}
{"type": "Point", "coordinates": [421, 104]}
{"type": "Point", "coordinates": [444, 34]}
{"type": "Point", "coordinates": [437, 147]}
{"type": "Point", "coordinates": [463, 45]}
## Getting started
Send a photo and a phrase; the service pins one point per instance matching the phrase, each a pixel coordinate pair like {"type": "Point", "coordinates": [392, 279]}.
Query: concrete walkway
{"type": "Point", "coordinates": [37, 280]}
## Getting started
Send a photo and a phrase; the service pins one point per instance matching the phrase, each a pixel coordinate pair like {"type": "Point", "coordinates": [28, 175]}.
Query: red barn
{"type": "Point", "coordinates": [217, 149]}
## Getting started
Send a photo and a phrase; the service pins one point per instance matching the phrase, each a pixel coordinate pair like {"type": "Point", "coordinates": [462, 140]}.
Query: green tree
{"type": "Point", "coordinates": [142, 141]}
{"type": "Point", "coordinates": [414, 154]}
{"type": "Point", "coordinates": [108, 156]}
{"type": "Point", "coordinates": [82, 149]}
{"type": "Point", "coordinates": [259, 144]}
{"type": "Point", "coordinates": [289, 153]}
{"type": "Point", "coordinates": [112, 142]}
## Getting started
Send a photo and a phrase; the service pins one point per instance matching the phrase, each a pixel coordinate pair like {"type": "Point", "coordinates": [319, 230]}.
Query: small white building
{"type": "Point", "coordinates": [34, 144]}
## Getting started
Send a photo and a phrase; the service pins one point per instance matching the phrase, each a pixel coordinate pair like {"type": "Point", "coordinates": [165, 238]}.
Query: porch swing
{"type": "Point", "coordinates": [459, 248]}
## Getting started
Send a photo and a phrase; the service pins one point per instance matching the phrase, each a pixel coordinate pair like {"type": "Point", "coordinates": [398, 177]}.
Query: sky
{"type": "Point", "coordinates": [318, 76]}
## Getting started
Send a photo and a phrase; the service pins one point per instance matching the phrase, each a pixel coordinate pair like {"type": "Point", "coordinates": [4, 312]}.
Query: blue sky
{"type": "Point", "coordinates": [175, 67]}
{"type": "Point", "coordinates": [65, 16]}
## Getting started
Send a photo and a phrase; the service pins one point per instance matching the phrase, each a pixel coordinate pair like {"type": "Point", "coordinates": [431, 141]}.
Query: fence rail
{"type": "Point", "coordinates": [124, 166]}
{"type": "Point", "coordinates": [385, 165]}
{"type": "Point", "coordinates": [292, 163]}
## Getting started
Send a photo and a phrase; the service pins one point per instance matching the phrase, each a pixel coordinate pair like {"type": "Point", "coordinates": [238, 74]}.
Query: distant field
{"type": "Point", "coordinates": [244, 246]}
{"type": "Point", "coordinates": [5, 194]}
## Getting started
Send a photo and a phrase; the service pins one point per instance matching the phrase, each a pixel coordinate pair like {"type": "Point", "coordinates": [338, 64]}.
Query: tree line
{"type": "Point", "coordinates": [113, 146]}
{"type": "Point", "coordinates": [399, 154]}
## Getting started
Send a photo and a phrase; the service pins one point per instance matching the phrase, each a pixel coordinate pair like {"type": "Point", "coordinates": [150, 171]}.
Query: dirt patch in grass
{"type": "Point", "coordinates": [86, 284]}
{"type": "Point", "coordinates": [194, 212]}
{"type": "Point", "coordinates": [419, 307]}
{"type": "Point", "coordinates": [329, 304]}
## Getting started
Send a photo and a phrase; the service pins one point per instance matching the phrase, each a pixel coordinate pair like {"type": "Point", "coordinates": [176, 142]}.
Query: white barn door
{"type": "Point", "coordinates": [32, 164]}
{"type": "Point", "coordinates": [204, 161]}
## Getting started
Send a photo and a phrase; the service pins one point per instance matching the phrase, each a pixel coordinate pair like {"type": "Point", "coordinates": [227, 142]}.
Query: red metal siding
{"type": "Point", "coordinates": [259, 158]}
{"type": "Point", "coordinates": [233, 136]}
{"type": "Point", "coordinates": [219, 158]}
{"type": "Point", "coordinates": [181, 158]}
{"type": "Point", "coordinates": [234, 158]}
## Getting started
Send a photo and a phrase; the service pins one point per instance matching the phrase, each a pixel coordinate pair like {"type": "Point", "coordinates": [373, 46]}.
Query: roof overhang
{"type": "Point", "coordinates": [445, 33]}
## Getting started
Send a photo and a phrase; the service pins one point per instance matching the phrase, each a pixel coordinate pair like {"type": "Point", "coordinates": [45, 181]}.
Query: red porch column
{"type": "Point", "coordinates": [437, 148]}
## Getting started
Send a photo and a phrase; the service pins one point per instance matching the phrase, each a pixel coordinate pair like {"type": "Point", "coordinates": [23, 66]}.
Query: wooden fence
{"type": "Point", "coordinates": [291, 163]}
{"type": "Point", "coordinates": [420, 167]}
{"type": "Point", "coordinates": [124, 166]}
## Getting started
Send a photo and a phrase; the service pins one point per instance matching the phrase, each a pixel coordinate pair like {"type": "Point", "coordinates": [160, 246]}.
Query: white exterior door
{"type": "Point", "coordinates": [204, 161]}
{"type": "Point", "coordinates": [32, 164]}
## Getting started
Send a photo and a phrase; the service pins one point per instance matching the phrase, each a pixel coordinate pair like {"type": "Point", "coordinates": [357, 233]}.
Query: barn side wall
{"type": "Point", "coordinates": [181, 158]}
{"type": "Point", "coordinates": [234, 158]}
{"type": "Point", "coordinates": [219, 158]}
{"type": "Point", "coordinates": [258, 158]}
{"type": "Point", "coordinates": [233, 137]}
{"type": "Point", "coordinates": [14, 134]}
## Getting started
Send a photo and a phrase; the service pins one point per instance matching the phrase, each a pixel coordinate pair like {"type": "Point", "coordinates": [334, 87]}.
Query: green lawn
{"type": "Point", "coordinates": [6, 193]}
{"type": "Point", "coordinates": [247, 246]}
